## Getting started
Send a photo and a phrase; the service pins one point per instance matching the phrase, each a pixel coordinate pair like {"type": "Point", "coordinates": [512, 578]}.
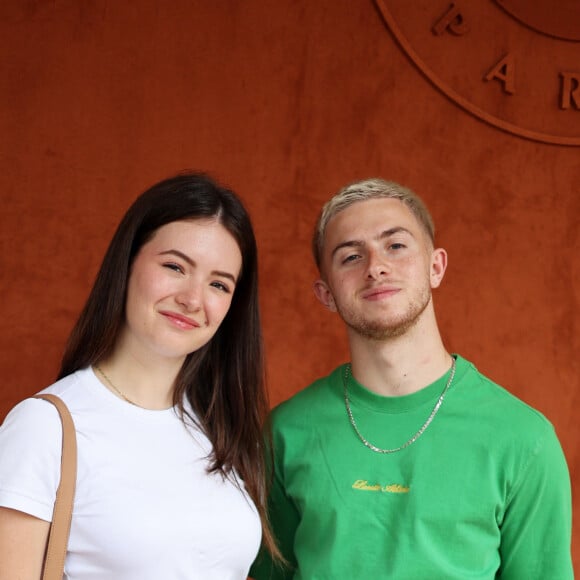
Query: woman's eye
{"type": "Point", "coordinates": [397, 246]}
{"type": "Point", "coordinates": [174, 267]}
{"type": "Point", "coordinates": [221, 286]}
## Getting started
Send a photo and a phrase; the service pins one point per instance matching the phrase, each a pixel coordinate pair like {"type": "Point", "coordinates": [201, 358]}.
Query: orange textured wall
{"type": "Point", "coordinates": [285, 101]}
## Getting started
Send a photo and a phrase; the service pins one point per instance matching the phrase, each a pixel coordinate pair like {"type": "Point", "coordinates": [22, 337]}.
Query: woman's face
{"type": "Point", "coordinates": [180, 288]}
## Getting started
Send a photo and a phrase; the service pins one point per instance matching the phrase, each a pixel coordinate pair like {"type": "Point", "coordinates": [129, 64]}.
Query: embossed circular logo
{"type": "Point", "coordinates": [514, 64]}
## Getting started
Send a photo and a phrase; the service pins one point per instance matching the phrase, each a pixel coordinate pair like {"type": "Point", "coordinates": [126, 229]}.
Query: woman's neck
{"type": "Point", "coordinates": [144, 383]}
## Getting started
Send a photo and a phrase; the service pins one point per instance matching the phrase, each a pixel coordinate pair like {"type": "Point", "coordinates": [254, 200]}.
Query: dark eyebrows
{"type": "Point", "coordinates": [360, 244]}
{"type": "Point", "coordinates": [179, 254]}
{"type": "Point", "coordinates": [224, 275]}
{"type": "Point", "coordinates": [191, 262]}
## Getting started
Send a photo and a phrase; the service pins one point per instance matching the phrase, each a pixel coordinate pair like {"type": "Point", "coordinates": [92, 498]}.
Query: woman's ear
{"type": "Point", "coordinates": [324, 294]}
{"type": "Point", "coordinates": [438, 266]}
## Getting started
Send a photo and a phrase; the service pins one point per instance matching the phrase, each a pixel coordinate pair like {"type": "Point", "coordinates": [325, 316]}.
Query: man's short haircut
{"type": "Point", "coordinates": [361, 191]}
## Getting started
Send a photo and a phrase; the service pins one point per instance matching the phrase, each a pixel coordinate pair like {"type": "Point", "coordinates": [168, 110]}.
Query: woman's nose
{"type": "Point", "coordinates": [190, 297]}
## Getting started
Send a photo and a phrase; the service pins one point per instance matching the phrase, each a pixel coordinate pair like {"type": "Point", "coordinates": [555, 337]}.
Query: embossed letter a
{"type": "Point", "coordinates": [505, 72]}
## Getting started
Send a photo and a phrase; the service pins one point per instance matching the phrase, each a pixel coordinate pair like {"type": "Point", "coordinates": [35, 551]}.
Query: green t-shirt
{"type": "Point", "coordinates": [484, 493]}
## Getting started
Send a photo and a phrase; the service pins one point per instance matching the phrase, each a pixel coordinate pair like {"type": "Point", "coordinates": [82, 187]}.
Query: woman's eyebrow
{"type": "Point", "coordinates": [179, 254]}
{"type": "Point", "coordinates": [191, 262]}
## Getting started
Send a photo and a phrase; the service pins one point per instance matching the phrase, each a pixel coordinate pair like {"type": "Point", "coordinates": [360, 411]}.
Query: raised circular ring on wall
{"type": "Point", "coordinates": [511, 63]}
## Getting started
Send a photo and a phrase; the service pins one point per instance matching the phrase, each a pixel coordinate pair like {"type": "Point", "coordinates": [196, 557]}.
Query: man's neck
{"type": "Point", "coordinates": [400, 365]}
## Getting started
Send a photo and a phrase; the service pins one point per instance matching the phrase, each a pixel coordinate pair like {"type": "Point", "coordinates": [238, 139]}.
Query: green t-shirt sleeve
{"type": "Point", "coordinates": [284, 518]}
{"type": "Point", "coordinates": [536, 528]}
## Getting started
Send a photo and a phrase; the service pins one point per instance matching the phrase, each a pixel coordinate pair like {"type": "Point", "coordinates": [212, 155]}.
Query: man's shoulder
{"type": "Point", "coordinates": [489, 397]}
{"type": "Point", "coordinates": [311, 398]}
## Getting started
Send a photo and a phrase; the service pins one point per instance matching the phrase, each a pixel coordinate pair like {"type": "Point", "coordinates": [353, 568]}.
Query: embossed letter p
{"type": "Point", "coordinates": [453, 21]}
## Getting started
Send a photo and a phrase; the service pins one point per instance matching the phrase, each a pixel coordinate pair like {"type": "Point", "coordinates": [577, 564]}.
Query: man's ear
{"type": "Point", "coordinates": [324, 294]}
{"type": "Point", "coordinates": [438, 266]}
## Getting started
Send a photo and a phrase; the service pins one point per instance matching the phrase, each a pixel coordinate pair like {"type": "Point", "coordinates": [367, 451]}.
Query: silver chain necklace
{"type": "Point", "coordinates": [347, 373]}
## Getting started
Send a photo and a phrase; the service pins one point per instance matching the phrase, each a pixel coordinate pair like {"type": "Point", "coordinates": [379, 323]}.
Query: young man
{"type": "Point", "coordinates": [408, 463]}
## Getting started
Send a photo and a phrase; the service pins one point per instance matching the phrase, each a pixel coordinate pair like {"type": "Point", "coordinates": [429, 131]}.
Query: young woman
{"type": "Point", "coordinates": [163, 375]}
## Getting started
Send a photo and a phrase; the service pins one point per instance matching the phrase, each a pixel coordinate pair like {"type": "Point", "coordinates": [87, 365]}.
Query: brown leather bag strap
{"type": "Point", "coordinates": [63, 506]}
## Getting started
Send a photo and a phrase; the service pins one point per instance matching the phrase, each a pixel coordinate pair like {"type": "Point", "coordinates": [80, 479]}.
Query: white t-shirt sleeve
{"type": "Point", "coordinates": [30, 454]}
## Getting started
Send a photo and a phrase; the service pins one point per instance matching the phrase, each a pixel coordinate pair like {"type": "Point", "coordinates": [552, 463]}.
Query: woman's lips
{"type": "Point", "coordinates": [180, 320]}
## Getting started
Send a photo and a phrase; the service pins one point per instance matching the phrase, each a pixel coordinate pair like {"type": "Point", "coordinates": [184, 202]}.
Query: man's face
{"type": "Point", "coordinates": [378, 268]}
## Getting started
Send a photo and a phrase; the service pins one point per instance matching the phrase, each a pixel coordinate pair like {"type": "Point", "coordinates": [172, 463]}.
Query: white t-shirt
{"type": "Point", "coordinates": [145, 507]}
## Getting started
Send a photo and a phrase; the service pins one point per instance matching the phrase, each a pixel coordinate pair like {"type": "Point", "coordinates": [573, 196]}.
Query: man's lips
{"type": "Point", "coordinates": [180, 320]}
{"type": "Point", "coordinates": [380, 292]}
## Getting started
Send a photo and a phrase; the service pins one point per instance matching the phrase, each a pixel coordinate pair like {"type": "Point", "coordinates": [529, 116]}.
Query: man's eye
{"type": "Point", "coordinates": [350, 258]}
{"type": "Point", "coordinates": [397, 246]}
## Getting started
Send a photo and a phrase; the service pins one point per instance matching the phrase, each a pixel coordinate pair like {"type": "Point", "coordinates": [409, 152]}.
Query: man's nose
{"type": "Point", "coordinates": [378, 266]}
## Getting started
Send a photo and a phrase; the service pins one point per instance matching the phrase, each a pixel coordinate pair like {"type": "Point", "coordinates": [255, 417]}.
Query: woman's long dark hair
{"type": "Point", "coordinates": [223, 380]}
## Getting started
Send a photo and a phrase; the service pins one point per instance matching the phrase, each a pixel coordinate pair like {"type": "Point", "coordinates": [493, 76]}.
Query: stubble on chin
{"type": "Point", "coordinates": [388, 327]}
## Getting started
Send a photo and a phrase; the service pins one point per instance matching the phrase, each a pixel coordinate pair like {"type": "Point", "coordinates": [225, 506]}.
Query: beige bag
{"type": "Point", "coordinates": [53, 568]}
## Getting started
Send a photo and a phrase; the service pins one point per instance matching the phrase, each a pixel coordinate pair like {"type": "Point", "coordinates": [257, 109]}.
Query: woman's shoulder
{"type": "Point", "coordinates": [30, 454]}
{"type": "Point", "coordinates": [67, 387]}
{"type": "Point", "coordinates": [37, 413]}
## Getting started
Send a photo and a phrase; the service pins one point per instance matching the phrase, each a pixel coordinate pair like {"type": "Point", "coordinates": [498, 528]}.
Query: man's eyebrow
{"type": "Point", "coordinates": [191, 262]}
{"type": "Point", "coordinates": [395, 230]}
{"type": "Point", "coordinates": [347, 244]}
{"type": "Point", "coordinates": [360, 244]}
